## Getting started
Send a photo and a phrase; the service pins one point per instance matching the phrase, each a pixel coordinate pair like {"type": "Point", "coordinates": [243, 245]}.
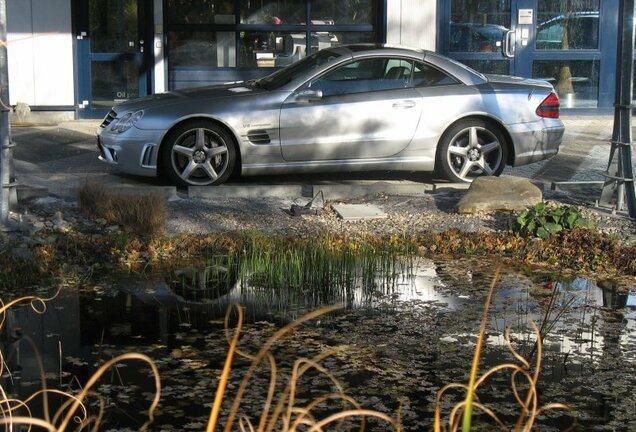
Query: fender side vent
{"type": "Point", "coordinates": [148, 156]}
{"type": "Point", "coordinates": [259, 137]}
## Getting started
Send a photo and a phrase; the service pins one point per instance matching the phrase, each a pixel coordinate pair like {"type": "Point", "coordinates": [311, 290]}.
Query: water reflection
{"type": "Point", "coordinates": [211, 289]}
{"type": "Point", "coordinates": [586, 326]}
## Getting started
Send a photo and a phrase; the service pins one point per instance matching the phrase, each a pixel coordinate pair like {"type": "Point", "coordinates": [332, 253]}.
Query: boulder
{"type": "Point", "coordinates": [505, 193]}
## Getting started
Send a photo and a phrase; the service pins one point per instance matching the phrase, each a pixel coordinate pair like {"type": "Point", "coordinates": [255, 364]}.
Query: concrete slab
{"type": "Point", "coordinates": [441, 187]}
{"type": "Point", "coordinates": [360, 189]}
{"type": "Point", "coordinates": [71, 191]}
{"type": "Point", "coordinates": [25, 192]}
{"type": "Point", "coordinates": [352, 212]}
{"type": "Point", "coordinates": [245, 191]}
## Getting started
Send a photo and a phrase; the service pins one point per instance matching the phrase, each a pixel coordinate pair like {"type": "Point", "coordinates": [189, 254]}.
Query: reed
{"type": "Point", "coordinates": [321, 264]}
{"type": "Point", "coordinates": [529, 408]}
{"type": "Point", "coordinates": [74, 409]}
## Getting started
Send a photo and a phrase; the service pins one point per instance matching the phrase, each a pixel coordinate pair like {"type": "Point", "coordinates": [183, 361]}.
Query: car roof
{"type": "Point", "coordinates": [460, 71]}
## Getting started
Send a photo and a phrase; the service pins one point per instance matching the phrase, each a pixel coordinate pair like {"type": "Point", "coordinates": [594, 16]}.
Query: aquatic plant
{"type": "Point", "coordinates": [321, 264]}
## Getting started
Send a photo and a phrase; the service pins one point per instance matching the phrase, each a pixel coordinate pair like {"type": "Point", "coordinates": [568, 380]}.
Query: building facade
{"type": "Point", "coordinates": [76, 58]}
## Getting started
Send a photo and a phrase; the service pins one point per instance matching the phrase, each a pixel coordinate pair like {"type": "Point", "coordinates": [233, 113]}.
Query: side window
{"type": "Point", "coordinates": [365, 75]}
{"type": "Point", "coordinates": [425, 75]}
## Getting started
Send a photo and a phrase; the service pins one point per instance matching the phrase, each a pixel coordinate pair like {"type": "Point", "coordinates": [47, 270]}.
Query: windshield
{"type": "Point", "coordinates": [291, 72]}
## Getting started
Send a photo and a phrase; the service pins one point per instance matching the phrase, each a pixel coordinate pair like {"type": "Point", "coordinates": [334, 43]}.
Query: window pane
{"type": "Point", "coordinates": [285, 75]}
{"type": "Point", "coordinates": [568, 25]}
{"type": "Point", "coordinates": [273, 12]}
{"type": "Point", "coordinates": [216, 49]}
{"type": "Point", "coordinates": [271, 49]}
{"type": "Point", "coordinates": [478, 26]}
{"type": "Point", "coordinates": [364, 76]}
{"type": "Point", "coordinates": [113, 26]}
{"type": "Point", "coordinates": [576, 81]}
{"type": "Point", "coordinates": [499, 67]}
{"type": "Point", "coordinates": [343, 12]}
{"type": "Point", "coordinates": [321, 40]}
{"type": "Point", "coordinates": [427, 76]}
{"type": "Point", "coordinates": [200, 12]}
{"type": "Point", "coordinates": [113, 82]}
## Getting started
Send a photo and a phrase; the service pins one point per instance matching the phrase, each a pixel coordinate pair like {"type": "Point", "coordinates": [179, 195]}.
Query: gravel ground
{"type": "Point", "coordinates": [427, 212]}
{"type": "Point", "coordinates": [404, 214]}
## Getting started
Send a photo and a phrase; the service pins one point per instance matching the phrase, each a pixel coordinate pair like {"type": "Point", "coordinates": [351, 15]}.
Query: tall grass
{"type": "Point", "coordinates": [137, 213]}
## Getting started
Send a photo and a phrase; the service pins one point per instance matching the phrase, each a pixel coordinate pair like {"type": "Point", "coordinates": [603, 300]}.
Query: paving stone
{"type": "Point", "coordinates": [351, 212]}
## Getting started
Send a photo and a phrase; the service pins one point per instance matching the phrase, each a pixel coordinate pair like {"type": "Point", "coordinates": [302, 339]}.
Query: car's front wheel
{"type": "Point", "coordinates": [472, 148]}
{"type": "Point", "coordinates": [198, 153]}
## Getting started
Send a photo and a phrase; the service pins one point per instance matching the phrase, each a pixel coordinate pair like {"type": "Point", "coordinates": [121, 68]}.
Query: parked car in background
{"type": "Point", "coordinates": [348, 108]}
{"type": "Point", "coordinates": [581, 28]}
{"type": "Point", "coordinates": [469, 37]}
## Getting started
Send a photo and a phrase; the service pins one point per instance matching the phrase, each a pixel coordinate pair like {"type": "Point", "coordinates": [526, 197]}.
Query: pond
{"type": "Point", "coordinates": [399, 337]}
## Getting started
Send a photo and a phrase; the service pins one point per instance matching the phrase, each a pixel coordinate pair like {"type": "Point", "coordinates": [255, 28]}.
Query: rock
{"type": "Point", "coordinates": [58, 218]}
{"type": "Point", "coordinates": [505, 193]}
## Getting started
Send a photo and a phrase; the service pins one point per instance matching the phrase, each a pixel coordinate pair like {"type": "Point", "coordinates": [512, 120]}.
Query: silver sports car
{"type": "Point", "coordinates": [349, 108]}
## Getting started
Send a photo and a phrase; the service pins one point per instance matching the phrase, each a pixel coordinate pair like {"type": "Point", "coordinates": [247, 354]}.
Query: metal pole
{"type": "Point", "coordinates": [5, 133]}
{"type": "Point", "coordinates": [619, 185]}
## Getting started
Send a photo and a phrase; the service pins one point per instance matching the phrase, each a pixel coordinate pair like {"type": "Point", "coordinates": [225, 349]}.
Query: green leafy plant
{"type": "Point", "coordinates": [543, 221]}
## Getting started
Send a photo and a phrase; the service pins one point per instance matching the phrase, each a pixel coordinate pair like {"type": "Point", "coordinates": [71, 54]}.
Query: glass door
{"type": "Point", "coordinates": [554, 40]}
{"type": "Point", "coordinates": [112, 54]}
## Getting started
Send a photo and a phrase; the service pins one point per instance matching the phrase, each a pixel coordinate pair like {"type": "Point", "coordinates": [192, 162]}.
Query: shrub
{"type": "Point", "coordinates": [543, 221]}
{"type": "Point", "coordinates": [140, 214]}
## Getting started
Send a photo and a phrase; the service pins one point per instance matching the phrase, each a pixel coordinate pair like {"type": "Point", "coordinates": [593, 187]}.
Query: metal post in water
{"type": "Point", "coordinates": [619, 186]}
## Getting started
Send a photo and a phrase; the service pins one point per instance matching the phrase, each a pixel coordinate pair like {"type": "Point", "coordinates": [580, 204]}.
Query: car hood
{"type": "Point", "coordinates": [514, 80]}
{"type": "Point", "coordinates": [188, 95]}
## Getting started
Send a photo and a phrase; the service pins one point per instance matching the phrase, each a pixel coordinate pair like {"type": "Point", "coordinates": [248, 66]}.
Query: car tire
{"type": "Point", "coordinates": [198, 153]}
{"type": "Point", "coordinates": [471, 148]}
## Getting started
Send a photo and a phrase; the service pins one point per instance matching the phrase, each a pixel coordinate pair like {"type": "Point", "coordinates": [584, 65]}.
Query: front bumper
{"type": "Point", "coordinates": [536, 141]}
{"type": "Point", "coordinates": [132, 152]}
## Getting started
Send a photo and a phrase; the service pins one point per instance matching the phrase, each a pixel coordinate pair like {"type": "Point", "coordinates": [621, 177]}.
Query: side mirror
{"type": "Point", "coordinates": [309, 95]}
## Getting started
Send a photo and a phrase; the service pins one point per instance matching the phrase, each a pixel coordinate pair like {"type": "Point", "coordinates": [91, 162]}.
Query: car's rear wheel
{"type": "Point", "coordinates": [199, 153]}
{"type": "Point", "coordinates": [472, 148]}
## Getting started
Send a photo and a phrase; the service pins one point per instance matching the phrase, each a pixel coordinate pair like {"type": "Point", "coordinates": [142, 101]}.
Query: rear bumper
{"type": "Point", "coordinates": [536, 141]}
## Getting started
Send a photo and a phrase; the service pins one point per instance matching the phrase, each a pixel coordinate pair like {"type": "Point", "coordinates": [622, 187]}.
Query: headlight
{"type": "Point", "coordinates": [126, 122]}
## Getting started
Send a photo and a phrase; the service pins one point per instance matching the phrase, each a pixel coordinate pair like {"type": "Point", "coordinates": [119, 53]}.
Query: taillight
{"type": "Point", "coordinates": [549, 107]}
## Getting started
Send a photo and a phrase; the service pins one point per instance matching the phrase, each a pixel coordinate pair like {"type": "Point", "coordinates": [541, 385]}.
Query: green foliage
{"type": "Point", "coordinates": [543, 221]}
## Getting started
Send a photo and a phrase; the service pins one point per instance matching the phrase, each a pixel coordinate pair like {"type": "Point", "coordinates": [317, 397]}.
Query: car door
{"type": "Point", "coordinates": [366, 108]}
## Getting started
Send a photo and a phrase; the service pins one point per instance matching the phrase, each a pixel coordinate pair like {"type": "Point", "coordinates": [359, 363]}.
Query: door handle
{"type": "Point", "coordinates": [509, 44]}
{"type": "Point", "coordinates": [404, 104]}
